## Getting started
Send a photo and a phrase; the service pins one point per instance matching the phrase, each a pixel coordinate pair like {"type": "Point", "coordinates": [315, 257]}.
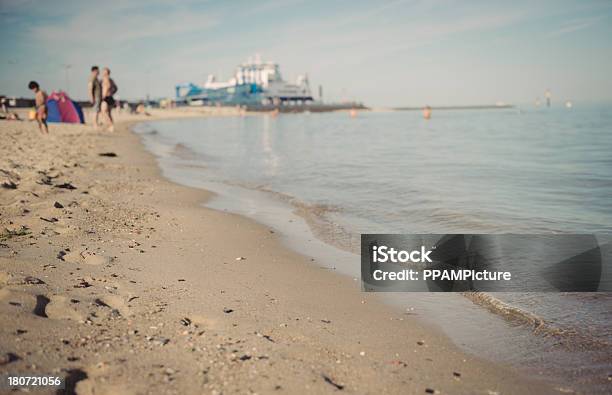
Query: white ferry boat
{"type": "Point", "coordinates": [254, 83]}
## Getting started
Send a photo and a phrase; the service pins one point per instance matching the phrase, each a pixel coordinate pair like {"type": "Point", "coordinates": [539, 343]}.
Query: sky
{"type": "Point", "coordinates": [384, 53]}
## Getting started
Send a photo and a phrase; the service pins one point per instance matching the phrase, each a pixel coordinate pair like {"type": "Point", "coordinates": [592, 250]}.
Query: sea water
{"type": "Point", "coordinates": [519, 170]}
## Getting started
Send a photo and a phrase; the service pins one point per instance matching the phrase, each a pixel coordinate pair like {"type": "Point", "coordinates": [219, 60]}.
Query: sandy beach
{"type": "Point", "coordinates": [124, 283]}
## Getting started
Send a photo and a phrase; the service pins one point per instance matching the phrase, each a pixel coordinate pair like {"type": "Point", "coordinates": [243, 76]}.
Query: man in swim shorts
{"type": "Point", "coordinates": [95, 93]}
{"type": "Point", "coordinates": [108, 102]}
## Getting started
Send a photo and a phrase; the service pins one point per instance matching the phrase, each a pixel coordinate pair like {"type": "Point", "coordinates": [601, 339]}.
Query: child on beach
{"type": "Point", "coordinates": [41, 106]}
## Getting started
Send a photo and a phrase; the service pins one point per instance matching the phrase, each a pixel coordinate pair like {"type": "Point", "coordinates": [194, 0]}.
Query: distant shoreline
{"type": "Point", "coordinates": [475, 107]}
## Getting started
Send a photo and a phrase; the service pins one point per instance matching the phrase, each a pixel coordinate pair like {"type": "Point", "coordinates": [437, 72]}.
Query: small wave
{"type": "Point", "coordinates": [318, 208]}
{"type": "Point", "coordinates": [571, 339]}
{"type": "Point", "coordinates": [192, 166]}
{"type": "Point", "coordinates": [463, 221]}
{"type": "Point", "coordinates": [182, 151]}
{"type": "Point", "coordinates": [145, 128]}
{"type": "Point", "coordinates": [317, 217]}
{"type": "Point", "coordinates": [331, 232]}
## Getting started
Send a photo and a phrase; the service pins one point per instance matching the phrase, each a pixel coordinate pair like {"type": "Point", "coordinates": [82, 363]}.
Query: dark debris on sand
{"type": "Point", "coordinates": [331, 382]}
{"type": "Point", "coordinates": [9, 185]}
{"type": "Point", "coordinates": [66, 185]}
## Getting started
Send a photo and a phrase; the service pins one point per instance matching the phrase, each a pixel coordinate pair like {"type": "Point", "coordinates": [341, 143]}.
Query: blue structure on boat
{"type": "Point", "coordinates": [243, 94]}
{"type": "Point", "coordinates": [188, 90]}
{"type": "Point", "coordinates": [255, 83]}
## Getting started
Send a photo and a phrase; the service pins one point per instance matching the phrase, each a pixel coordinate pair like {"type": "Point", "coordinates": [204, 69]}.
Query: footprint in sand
{"type": "Point", "coordinates": [115, 303]}
{"type": "Point", "coordinates": [7, 278]}
{"type": "Point", "coordinates": [87, 257]}
{"type": "Point", "coordinates": [94, 380]}
{"type": "Point", "coordinates": [12, 301]}
{"type": "Point", "coordinates": [56, 307]}
{"type": "Point", "coordinates": [90, 387]}
{"type": "Point", "coordinates": [60, 308]}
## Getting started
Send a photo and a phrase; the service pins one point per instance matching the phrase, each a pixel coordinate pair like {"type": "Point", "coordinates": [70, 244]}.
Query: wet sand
{"type": "Point", "coordinates": [121, 280]}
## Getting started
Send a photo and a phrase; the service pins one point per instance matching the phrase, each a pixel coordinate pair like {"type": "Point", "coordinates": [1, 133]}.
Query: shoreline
{"type": "Point", "coordinates": [545, 347]}
{"type": "Point", "coordinates": [162, 289]}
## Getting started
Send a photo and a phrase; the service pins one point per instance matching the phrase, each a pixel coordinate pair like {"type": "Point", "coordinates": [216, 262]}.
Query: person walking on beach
{"type": "Point", "coordinates": [95, 94]}
{"type": "Point", "coordinates": [40, 100]}
{"type": "Point", "coordinates": [108, 102]}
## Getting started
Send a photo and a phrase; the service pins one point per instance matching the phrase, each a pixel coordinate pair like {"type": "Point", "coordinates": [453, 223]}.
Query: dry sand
{"type": "Point", "coordinates": [127, 285]}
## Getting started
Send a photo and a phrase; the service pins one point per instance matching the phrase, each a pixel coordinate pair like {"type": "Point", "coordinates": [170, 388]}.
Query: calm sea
{"type": "Point", "coordinates": [464, 171]}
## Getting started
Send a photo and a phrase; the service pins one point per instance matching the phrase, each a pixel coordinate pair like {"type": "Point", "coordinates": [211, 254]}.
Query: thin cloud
{"type": "Point", "coordinates": [354, 44]}
{"type": "Point", "coordinates": [118, 28]}
{"type": "Point", "coordinates": [575, 26]}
